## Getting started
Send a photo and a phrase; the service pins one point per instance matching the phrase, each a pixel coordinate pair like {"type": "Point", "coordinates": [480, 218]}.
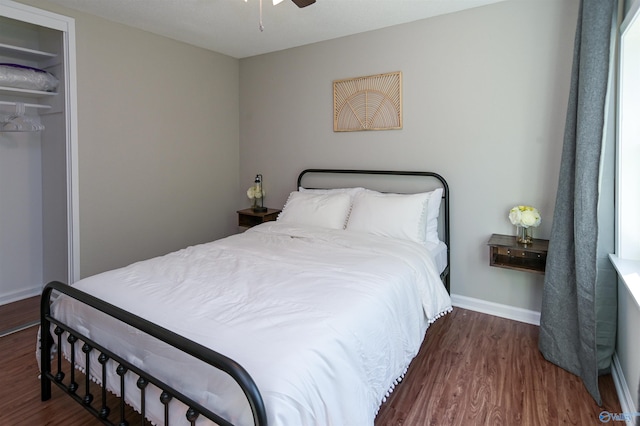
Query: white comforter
{"type": "Point", "coordinates": [324, 321]}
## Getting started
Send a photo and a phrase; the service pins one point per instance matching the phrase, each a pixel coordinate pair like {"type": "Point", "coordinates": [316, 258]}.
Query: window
{"type": "Point", "coordinates": [627, 258]}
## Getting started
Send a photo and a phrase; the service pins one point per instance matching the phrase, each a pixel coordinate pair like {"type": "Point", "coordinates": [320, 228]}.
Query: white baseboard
{"type": "Point", "coordinates": [627, 401]}
{"type": "Point", "coordinates": [496, 309]}
{"type": "Point", "coordinates": [19, 295]}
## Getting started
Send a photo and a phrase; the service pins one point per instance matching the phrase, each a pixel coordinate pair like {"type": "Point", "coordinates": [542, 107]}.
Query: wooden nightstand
{"type": "Point", "coordinates": [504, 252]}
{"type": "Point", "coordinates": [248, 218]}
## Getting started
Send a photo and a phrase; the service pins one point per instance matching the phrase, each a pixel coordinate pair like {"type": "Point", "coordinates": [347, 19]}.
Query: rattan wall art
{"type": "Point", "coordinates": [368, 103]}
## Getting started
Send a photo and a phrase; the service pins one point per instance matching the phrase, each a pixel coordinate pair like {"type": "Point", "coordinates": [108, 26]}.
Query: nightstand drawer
{"type": "Point", "coordinates": [504, 252]}
{"type": "Point", "coordinates": [514, 258]}
{"type": "Point", "coordinates": [521, 254]}
{"type": "Point", "coordinates": [248, 218]}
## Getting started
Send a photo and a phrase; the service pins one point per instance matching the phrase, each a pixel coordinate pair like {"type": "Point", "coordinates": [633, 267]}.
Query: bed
{"type": "Point", "coordinates": [308, 320]}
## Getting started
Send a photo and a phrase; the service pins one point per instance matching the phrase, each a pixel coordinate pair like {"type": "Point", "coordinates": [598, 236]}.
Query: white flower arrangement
{"type": "Point", "coordinates": [255, 192]}
{"type": "Point", "coordinates": [525, 216]}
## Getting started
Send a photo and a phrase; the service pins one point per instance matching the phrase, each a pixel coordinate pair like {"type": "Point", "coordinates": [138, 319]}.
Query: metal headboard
{"type": "Point", "coordinates": [431, 175]}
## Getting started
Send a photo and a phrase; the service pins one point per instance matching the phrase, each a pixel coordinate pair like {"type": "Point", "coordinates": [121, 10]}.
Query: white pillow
{"type": "Point", "coordinates": [311, 209]}
{"type": "Point", "coordinates": [392, 215]}
{"type": "Point", "coordinates": [351, 191]}
{"type": "Point", "coordinates": [433, 211]}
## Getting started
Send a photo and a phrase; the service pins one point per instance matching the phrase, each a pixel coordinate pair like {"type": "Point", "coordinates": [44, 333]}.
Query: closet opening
{"type": "Point", "coordinates": [38, 195]}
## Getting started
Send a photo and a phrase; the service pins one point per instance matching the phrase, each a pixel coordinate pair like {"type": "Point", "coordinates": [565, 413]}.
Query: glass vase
{"type": "Point", "coordinates": [257, 206]}
{"type": "Point", "coordinates": [524, 235]}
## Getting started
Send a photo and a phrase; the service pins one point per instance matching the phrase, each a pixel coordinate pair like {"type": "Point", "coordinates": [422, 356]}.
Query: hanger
{"type": "Point", "coordinates": [17, 121]}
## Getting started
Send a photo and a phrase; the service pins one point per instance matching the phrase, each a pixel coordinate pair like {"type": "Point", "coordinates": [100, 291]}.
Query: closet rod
{"type": "Point", "coordinates": [25, 105]}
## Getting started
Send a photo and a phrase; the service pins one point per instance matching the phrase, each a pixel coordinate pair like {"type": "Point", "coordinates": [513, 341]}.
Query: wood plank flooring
{"type": "Point", "coordinates": [16, 315]}
{"type": "Point", "coordinates": [472, 369]}
{"type": "Point", "coordinates": [477, 369]}
{"type": "Point", "coordinates": [20, 402]}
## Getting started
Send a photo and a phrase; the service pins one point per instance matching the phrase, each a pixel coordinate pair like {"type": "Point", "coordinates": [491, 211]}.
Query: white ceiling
{"type": "Point", "coordinates": [231, 27]}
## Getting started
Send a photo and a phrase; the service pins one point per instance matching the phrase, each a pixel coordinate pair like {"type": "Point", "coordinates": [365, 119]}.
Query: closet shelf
{"type": "Point", "coordinates": [12, 91]}
{"type": "Point", "coordinates": [24, 53]}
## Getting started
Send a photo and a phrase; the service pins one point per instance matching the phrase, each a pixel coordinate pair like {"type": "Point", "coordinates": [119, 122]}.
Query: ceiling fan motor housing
{"type": "Point", "coordinates": [303, 3]}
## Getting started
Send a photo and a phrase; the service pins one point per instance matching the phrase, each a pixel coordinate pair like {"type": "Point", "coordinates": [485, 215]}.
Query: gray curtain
{"type": "Point", "coordinates": [579, 305]}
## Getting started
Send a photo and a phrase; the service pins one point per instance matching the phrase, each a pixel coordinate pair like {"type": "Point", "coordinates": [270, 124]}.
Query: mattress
{"type": "Point", "coordinates": [439, 253]}
{"type": "Point", "coordinates": [325, 321]}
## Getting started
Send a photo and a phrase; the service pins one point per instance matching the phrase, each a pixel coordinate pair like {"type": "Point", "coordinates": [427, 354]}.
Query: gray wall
{"type": "Point", "coordinates": [165, 156]}
{"type": "Point", "coordinates": [484, 102]}
{"type": "Point", "coordinates": [158, 143]}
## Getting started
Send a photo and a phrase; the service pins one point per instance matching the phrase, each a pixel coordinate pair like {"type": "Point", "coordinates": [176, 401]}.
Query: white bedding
{"type": "Point", "coordinates": [323, 320]}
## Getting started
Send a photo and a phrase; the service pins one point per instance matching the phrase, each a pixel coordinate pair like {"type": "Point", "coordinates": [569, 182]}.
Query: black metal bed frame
{"type": "Point", "coordinates": [73, 337]}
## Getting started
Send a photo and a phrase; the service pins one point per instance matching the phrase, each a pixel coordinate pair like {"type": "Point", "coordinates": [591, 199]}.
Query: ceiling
{"type": "Point", "coordinates": [231, 27]}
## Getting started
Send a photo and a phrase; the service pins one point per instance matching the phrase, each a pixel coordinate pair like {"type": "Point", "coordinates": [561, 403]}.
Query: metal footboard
{"type": "Point", "coordinates": [86, 398]}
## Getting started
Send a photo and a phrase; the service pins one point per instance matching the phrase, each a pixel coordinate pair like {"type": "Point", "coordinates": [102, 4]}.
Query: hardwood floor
{"type": "Point", "coordinates": [473, 369]}
{"type": "Point", "coordinates": [20, 402]}
{"type": "Point", "coordinates": [16, 315]}
{"type": "Point", "coordinates": [477, 369]}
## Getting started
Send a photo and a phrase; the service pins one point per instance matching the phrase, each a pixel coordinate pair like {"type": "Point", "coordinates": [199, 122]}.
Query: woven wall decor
{"type": "Point", "coordinates": [368, 103]}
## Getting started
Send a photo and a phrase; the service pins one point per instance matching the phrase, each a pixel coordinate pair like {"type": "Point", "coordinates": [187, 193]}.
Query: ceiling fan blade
{"type": "Point", "coordinates": [303, 3]}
